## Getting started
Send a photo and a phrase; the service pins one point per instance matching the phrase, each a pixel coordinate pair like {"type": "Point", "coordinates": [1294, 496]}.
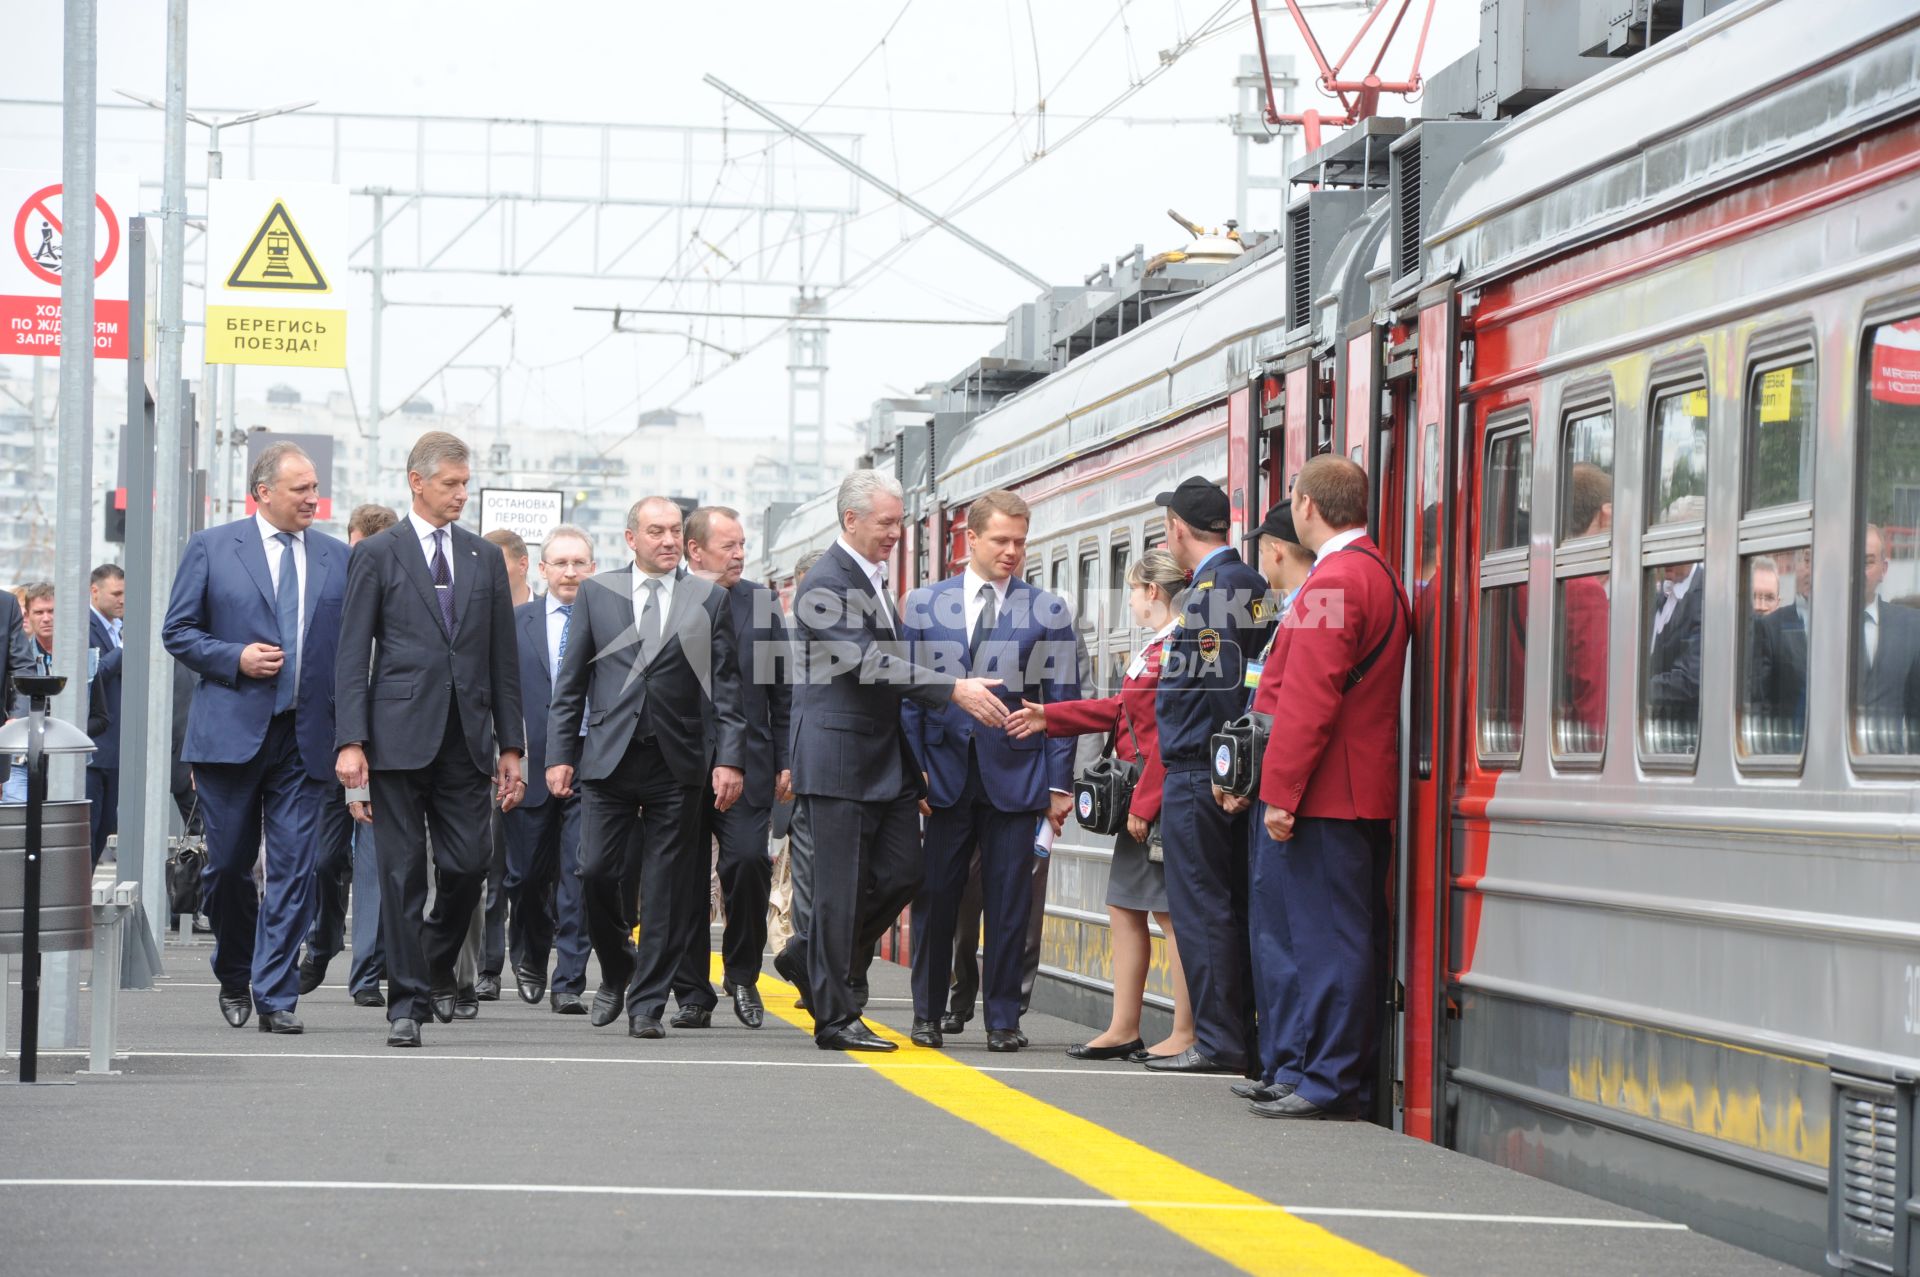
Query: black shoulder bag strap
{"type": "Point", "coordinates": [1359, 672]}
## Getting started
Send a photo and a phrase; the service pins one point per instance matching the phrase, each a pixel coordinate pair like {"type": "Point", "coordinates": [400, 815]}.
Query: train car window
{"type": "Point", "coordinates": [1679, 455]}
{"type": "Point", "coordinates": [1586, 476]}
{"type": "Point", "coordinates": [1507, 492]}
{"type": "Point", "coordinates": [1582, 605]}
{"type": "Point", "coordinates": [1674, 596]}
{"type": "Point", "coordinates": [1774, 604]}
{"type": "Point", "coordinates": [1673, 576]}
{"type": "Point", "coordinates": [1089, 598]}
{"type": "Point", "coordinates": [1885, 678]}
{"type": "Point", "coordinates": [1156, 535]}
{"type": "Point", "coordinates": [1780, 402]}
{"type": "Point", "coordinates": [1506, 512]}
{"type": "Point", "coordinates": [1059, 586]}
{"type": "Point", "coordinates": [1502, 681]}
{"type": "Point", "coordinates": [1117, 562]}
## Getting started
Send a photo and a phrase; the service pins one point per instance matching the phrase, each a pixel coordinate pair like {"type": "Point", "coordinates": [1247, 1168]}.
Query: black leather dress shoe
{"type": "Point", "coordinates": [1261, 1090]}
{"type": "Point", "coordinates": [369, 998]}
{"type": "Point", "coordinates": [532, 987]}
{"type": "Point", "coordinates": [487, 988]}
{"type": "Point", "coordinates": [1190, 1060]}
{"type": "Point", "coordinates": [747, 1007]}
{"type": "Point", "coordinates": [1081, 1051]}
{"type": "Point", "coordinates": [952, 1023]}
{"type": "Point", "coordinates": [927, 1033]}
{"type": "Point", "coordinates": [1299, 1108]}
{"type": "Point", "coordinates": [855, 1037]}
{"type": "Point", "coordinates": [280, 1022]}
{"type": "Point", "coordinates": [567, 1004]}
{"type": "Point", "coordinates": [787, 969]}
{"type": "Point", "coordinates": [440, 1001]}
{"type": "Point", "coordinates": [403, 1032]}
{"type": "Point", "coordinates": [1020, 1036]}
{"type": "Point", "coordinates": [691, 1018]}
{"type": "Point", "coordinates": [608, 1002]}
{"type": "Point", "coordinates": [466, 1004]}
{"type": "Point", "coordinates": [312, 975]}
{"type": "Point", "coordinates": [236, 1005]}
{"type": "Point", "coordinates": [1003, 1040]}
{"type": "Point", "coordinates": [646, 1026]}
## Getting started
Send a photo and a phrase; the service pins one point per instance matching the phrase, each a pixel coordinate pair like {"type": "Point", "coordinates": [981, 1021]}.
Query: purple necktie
{"type": "Point", "coordinates": [442, 579]}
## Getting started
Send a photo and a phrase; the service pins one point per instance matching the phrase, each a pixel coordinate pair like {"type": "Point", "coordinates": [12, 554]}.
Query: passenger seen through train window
{"type": "Point", "coordinates": [1885, 677]}
{"type": "Point", "coordinates": [1580, 701]}
{"type": "Point", "coordinates": [1773, 719]}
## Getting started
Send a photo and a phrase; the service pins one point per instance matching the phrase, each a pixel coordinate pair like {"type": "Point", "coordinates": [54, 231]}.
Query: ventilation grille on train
{"type": "Point", "coordinates": [1299, 264]}
{"type": "Point", "coordinates": [1869, 1176]}
{"type": "Point", "coordinates": [1406, 198]}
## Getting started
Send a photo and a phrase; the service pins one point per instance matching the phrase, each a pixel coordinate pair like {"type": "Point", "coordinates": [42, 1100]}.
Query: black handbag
{"type": "Point", "coordinates": [1104, 790]}
{"type": "Point", "coordinates": [1237, 750]}
{"type": "Point", "coordinates": [186, 861]}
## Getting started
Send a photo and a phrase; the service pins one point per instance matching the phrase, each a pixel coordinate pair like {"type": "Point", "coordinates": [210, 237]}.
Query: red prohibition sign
{"type": "Point", "coordinates": [38, 202]}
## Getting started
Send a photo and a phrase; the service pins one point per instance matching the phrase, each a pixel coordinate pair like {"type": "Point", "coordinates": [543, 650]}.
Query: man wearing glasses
{"type": "Point", "coordinates": [542, 885]}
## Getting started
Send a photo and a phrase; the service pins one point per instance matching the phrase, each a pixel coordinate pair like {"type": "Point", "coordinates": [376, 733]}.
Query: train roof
{"type": "Point", "coordinates": [1751, 88]}
{"type": "Point", "coordinates": [809, 526]}
{"type": "Point", "coordinates": [1191, 354]}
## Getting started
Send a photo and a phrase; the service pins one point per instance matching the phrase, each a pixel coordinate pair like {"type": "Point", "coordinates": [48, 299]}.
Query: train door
{"type": "Point", "coordinates": [1423, 467]}
{"type": "Point", "coordinates": [1243, 466]}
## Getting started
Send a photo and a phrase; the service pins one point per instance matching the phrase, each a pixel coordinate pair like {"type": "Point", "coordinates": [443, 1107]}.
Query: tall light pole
{"type": "Point", "coordinates": [212, 438]}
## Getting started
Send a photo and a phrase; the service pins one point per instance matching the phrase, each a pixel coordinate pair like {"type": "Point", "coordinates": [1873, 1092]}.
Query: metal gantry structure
{"type": "Point", "coordinates": [714, 215]}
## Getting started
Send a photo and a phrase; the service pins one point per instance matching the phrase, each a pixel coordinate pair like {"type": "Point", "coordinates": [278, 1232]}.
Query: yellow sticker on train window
{"type": "Point", "coordinates": [1776, 396]}
{"type": "Point", "coordinates": [1697, 403]}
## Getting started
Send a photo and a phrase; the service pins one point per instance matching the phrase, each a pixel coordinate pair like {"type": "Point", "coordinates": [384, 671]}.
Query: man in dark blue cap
{"type": "Point", "coordinates": [1226, 615]}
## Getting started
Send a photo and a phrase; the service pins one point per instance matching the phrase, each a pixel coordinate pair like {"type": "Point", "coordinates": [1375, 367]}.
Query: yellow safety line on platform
{"type": "Point", "coordinates": [1248, 1232]}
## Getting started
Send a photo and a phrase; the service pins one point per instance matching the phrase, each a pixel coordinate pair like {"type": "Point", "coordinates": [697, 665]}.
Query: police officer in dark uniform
{"type": "Point", "coordinates": [1226, 615]}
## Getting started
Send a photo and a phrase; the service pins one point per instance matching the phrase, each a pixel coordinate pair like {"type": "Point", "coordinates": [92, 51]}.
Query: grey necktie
{"type": "Point", "coordinates": [650, 617]}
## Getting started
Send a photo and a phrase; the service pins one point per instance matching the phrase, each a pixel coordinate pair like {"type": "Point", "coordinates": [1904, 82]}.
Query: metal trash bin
{"type": "Point", "coordinates": [66, 877]}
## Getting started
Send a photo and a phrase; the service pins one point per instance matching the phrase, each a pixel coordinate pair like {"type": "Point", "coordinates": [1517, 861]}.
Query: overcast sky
{"type": "Point", "coordinates": [954, 74]}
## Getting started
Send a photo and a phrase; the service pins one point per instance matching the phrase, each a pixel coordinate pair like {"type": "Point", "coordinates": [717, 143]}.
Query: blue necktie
{"type": "Point", "coordinates": [443, 579]}
{"type": "Point", "coordinates": [286, 606]}
{"type": "Point", "coordinates": [566, 623]}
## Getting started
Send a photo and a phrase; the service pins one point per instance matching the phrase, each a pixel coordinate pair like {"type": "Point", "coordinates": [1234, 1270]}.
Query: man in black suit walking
{"type": "Point", "coordinates": [542, 885]}
{"type": "Point", "coordinates": [717, 550]}
{"type": "Point", "coordinates": [428, 698]}
{"type": "Point", "coordinates": [651, 668]}
{"type": "Point", "coordinates": [857, 782]}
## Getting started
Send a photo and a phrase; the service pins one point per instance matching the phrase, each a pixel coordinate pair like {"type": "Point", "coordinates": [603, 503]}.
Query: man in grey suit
{"type": "Point", "coordinates": [428, 698]}
{"type": "Point", "coordinates": [853, 774]}
{"type": "Point", "coordinates": [650, 663]}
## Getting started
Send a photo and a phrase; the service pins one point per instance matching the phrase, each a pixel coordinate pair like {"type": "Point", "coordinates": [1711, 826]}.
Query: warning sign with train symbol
{"type": "Point", "coordinates": [274, 249]}
{"type": "Point", "coordinates": [277, 257]}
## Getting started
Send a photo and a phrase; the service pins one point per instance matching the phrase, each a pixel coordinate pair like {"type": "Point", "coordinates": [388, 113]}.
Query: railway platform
{"type": "Point", "coordinates": [529, 1142]}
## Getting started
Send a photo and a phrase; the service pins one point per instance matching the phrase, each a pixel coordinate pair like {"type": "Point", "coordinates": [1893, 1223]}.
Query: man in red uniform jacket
{"type": "Point", "coordinates": [1328, 790]}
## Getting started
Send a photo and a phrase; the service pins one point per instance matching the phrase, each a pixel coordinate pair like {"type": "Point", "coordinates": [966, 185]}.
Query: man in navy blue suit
{"type": "Point", "coordinates": [986, 789]}
{"type": "Point", "coordinates": [256, 613]}
{"type": "Point", "coordinates": [107, 591]}
{"type": "Point", "coordinates": [542, 884]}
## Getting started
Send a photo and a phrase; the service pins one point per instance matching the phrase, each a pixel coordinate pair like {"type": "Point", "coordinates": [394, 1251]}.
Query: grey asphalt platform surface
{"type": "Point", "coordinates": [718, 1150]}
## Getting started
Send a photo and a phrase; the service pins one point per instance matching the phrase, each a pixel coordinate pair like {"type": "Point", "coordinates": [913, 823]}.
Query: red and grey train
{"type": "Point", "coordinates": [1658, 877]}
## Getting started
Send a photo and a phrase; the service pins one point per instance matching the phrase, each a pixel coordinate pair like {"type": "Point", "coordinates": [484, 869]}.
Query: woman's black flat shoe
{"type": "Point", "coordinates": [1125, 1051]}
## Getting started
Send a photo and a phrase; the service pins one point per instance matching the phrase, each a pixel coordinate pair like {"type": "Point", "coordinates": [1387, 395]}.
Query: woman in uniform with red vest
{"type": "Point", "coordinates": [1136, 883]}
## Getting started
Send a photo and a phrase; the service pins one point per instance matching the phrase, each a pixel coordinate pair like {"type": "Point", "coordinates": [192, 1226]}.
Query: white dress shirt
{"type": "Point", "coordinates": [1138, 665]}
{"type": "Point", "coordinates": [424, 531]}
{"type": "Point", "coordinates": [275, 552]}
{"type": "Point", "coordinates": [555, 623]}
{"type": "Point", "coordinates": [970, 584]}
{"type": "Point", "coordinates": [113, 627]}
{"type": "Point", "coordinates": [1675, 591]}
{"type": "Point", "coordinates": [877, 574]}
{"type": "Point", "coordinates": [1338, 542]}
{"type": "Point", "coordinates": [640, 578]}
{"type": "Point", "coordinates": [1872, 623]}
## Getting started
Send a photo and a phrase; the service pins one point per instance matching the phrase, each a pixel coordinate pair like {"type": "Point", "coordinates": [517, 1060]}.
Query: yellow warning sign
{"type": "Point", "coordinates": [277, 258]}
{"type": "Point", "coordinates": [277, 337]}
{"type": "Point", "coordinates": [1696, 403]}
